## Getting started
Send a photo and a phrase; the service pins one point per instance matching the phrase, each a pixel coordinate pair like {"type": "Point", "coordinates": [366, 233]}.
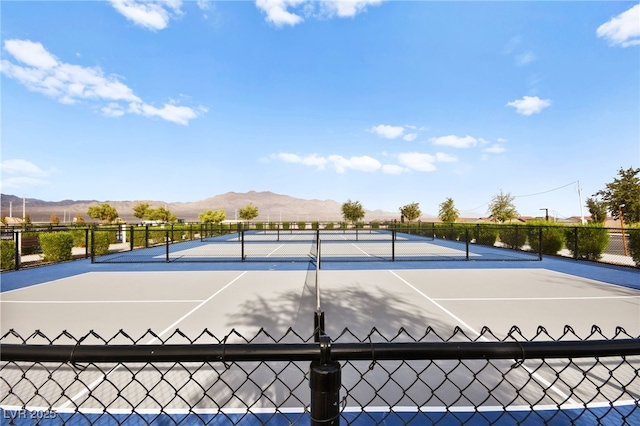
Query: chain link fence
{"type": "Point", "coordinates": [373, 379]}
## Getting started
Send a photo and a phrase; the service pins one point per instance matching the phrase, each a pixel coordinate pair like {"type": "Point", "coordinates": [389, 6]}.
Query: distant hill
{"type": "Point", "coordinates": [272, 207]}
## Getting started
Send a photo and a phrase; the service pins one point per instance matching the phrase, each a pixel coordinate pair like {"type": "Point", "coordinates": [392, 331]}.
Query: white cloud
{"type": "Point", "coordinates": [346, 8]}
{"type": "Point", "coordinates": [455, 141]}
{"type": "Point", "coordinates": [32, 54]}
{"type": "Point", "coordinates": [622, 30]}
{"type": "Point", "coordinates": [28, 174]}
{"type": "Point", "coordinates": [441, 157]}
{"type": "Point", "coordinates": [418, 161]}
{"type": "Point", "coordinates": [69, 84]}
{"type": "Point", "coordinates": [308, 160]}
{"type": "Point", "coordinates": [362, 163]}
{"type": "Point", "coordinates": [24, 167]}
{"type": "Point", "coordinates": [495, 149]}
{"type": "Point", "coordinates": [388, 132]}
{"type": "Point", "coordinates": [529, 105]}
{"type": "Point", "coordinates": [150, 15]}
{"type": "Point", "coordinates": [525, 58]}
{"type": "Point", "coordinates": [394, 169]}
{"type": "Point", "coordinates": [279, 12]}
{"type": "Point", "coordinates": [409, 137]}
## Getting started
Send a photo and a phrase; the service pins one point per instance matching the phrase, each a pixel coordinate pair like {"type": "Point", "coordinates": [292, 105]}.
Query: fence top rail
{"type": "Point", "coordinates": [362, 351]}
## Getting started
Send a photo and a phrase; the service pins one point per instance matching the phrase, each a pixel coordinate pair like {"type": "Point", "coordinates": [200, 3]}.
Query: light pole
{"type": "Point", "coordinates": [546, 214]}
{"type": "Point", "coordinates": [624, 240]}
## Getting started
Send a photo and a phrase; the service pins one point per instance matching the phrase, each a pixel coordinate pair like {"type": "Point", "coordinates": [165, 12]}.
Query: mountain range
{"type": "Point", "coordinates": [271, 207]}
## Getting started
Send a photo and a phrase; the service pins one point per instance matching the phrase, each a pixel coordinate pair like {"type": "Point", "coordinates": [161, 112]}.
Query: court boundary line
{"type": "Point", "coordinates": [104, 377]}
{"type": "Point", "coordinates": [61, 302]}
{"type": "Point", "coordinates": [531, 372]}
{"type": "Point", "coordinates": [347, 409]}
{"type": "Point", "coordinates": [490, 299]}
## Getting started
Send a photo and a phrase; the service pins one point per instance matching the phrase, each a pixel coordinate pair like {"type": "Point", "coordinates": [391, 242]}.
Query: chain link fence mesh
{"type": "Point", "coordinates": [400, 379]}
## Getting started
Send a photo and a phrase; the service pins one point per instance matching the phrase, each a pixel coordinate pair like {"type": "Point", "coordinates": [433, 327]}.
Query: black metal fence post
{"type": "Point", "coordinates": [86, 243]}
{"type": "Point", "coordinates": [575, 243]}
{"type": "Point", "coordinates": [166, 243]}
{"type": "Point", "coordinates": [325, 381]}
{"type": "Point", "coordinates": [93, 239]}
{"type": "Point", "coordinates": [16, 238]}
{"type": "Point", "coordinates": [540, 243]}
{"type": "Point", "coordinates": [466, 238]}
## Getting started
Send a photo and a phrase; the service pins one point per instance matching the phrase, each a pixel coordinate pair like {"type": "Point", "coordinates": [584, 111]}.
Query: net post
{"type": "Point", "coordinates": [242, 245]}
{"type": "Point", "coordinates": [86, 243]}
{"type": "Point", "coordinates": [393, 245]}
{"type": "Point", "coordinates": [325, 379]}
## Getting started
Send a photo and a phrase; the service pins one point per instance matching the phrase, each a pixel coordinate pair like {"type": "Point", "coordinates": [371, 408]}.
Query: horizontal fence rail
{"type": "Point", "coordinates": [350, 380]}
{"type": "Point", "coordinates": [206, 242]}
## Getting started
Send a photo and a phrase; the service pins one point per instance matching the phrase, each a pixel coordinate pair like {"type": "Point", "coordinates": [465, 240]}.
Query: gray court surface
{"type": "Point", "coordinates": [246, 301]}
{"type": "Point", "coordinates": [82, 297]}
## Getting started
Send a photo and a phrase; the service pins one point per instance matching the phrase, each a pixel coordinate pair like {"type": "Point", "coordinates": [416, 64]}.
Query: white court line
{"type": "Point", "coordinates": [491, 299]}
{"type": "Point", "coordinates": [96, 382]}
{"type": "Point", "coordinates": [348, 409]}
{"type": "Point", "coordinates": [356, 246]}
{"type": "Point", "coordinates": [531, 372]}
{"type": "Point", "coordinates": [275, 250]}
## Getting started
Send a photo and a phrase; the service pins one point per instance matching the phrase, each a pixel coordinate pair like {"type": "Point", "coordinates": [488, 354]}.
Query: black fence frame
{"type": "Point", "coordinates": [324, 376]}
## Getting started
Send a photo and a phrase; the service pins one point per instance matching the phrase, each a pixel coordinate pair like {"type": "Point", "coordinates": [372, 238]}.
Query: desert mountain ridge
{"type": "Point", "coordinates": [271, 207]}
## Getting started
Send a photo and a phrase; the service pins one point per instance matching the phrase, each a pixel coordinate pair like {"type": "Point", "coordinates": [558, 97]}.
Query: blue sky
{"type": "Point", "coordinates": [384, 102]}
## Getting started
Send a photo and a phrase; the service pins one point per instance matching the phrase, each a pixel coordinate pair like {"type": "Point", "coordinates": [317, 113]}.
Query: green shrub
{"type": "Point", "coordinates": [512, 235]}
{"type": "Point", "coordinates": [359, 225]}
{"type": "Point", "coordinates": [80, 237]}
{"type": "Point", "coordinates": [487, 235]}
{"type": "Point", "coordinates": [273, 225]}
{"type": "Point", "coordinates": [633, 243]}
{"type": "Point", "coordinates": [315, 225]}
{"type": "Point", "coordinates": [302, 225]}
{"type": "Point", "coordinates": [553, 236]}
{"type": "Point", "coordinates": [7, 254]}
{"type": "Point", "coordinates": [587, 241]}
{"type": "Point", "coordinates": [328, 225]}
{"type": "Point", "coordinates": [56, 246]}
{"type": "Point", "coordinates": [101, 243]}
{"type": "Point", "coordinates": [286, 225]}
{"type": "Point", "coordinates": [259, 226]}
{"type": "Point", "coordinates": [375, 225]}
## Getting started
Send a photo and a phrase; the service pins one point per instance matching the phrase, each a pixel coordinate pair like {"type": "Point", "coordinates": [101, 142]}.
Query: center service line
{"type": "Point", "coordinates": [100, 380]}
{"type": "Point", "coordinates": [545, 382]}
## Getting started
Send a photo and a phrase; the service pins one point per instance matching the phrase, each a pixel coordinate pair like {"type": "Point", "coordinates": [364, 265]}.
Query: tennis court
{"type": "Point", "coordinates": [275, 302]}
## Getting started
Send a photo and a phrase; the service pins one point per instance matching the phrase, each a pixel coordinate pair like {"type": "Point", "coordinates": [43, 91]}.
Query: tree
{"type": "Point", "coordinates": [501, 207]}
{"type": "Point", "coordinates": [161, 214]}
{"type": "Point", "coordinates": [448, 212]}
{"type": "Point", "coordinates": [411, 211]}
{"type": "Point", "coordinates": [78, 219]}
{"type": "Point", "coordinates": [211, 216]}
{"type": "Point", "coordinates": [623, 195]}
{"type": "Point", "coordinates": [54, 219]}
{"type": "Point", "coordinates": [597, 210]}
{"type": "Point", "coordinates": [352, 211]}
{"type": "Point", "coordinates": [248, 212]}
{"type": "Point", "coordinates": [140, 210]}
{"type": "Point", "coordinates": [103, 212]}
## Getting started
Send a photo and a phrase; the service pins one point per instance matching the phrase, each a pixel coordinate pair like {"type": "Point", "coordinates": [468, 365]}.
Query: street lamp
{"type": "Point", "coordinates": [546, 214]}
{"type": "Point", "coordinates": [624, 240]}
